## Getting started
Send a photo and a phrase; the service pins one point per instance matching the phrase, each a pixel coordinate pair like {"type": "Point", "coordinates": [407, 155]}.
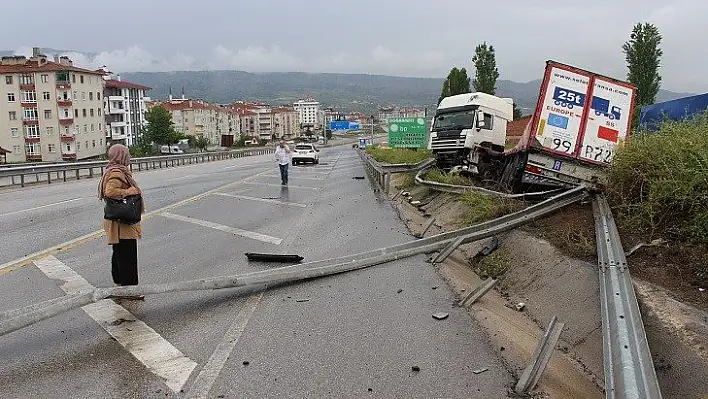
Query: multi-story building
{"type": "Point", "coordinates": [308, 112]}
{"type": "Point", "coordinates": [286, 123]}
{"type": "Point", "coordinates": [198, 118]}
{"type": "Point", "coordinates": [248, 121]}
{"type": "Point", "coordinates": [125, 108]}
{"type": "Point", "coordinates": [50, 110]}
{"type": "Point", "coordinates": [390, 111]}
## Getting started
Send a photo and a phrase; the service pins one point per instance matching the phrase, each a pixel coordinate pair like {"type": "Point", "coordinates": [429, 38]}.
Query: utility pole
{"type": "Point", "coordinates": [372, 130]}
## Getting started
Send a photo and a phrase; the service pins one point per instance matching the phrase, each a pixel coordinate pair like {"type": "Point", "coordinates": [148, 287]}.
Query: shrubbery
{"type": "Point", "coordinates": [398, 155]}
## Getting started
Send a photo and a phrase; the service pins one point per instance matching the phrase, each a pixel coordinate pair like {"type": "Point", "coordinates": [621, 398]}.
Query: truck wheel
{"type": "Point", "coordinates": [317, 161]}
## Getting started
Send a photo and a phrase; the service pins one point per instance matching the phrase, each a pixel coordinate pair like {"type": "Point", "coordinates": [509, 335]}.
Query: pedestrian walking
{"type": "Point", "coordinates": [282, 154]}
{"type": "Point", "coordinates": [117, 183]}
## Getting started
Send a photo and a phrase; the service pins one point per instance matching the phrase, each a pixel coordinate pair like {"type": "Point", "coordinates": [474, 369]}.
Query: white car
{"type": "Point", "coordinates": [304, 153]}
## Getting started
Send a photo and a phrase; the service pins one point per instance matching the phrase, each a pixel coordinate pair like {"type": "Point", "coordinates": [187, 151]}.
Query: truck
{"type": "Point", "coordinates": [567, 141]}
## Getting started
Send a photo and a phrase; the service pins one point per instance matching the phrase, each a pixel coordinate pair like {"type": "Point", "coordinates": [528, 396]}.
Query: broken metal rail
{"type": "Point", "coordinates": [629, 371]}
{"type": "Point", "coordinates": [19, 318]}
{"type": "Point", "coordinates": [459, 189]}
{"type": "Point", "coordinates": [63, 169]}
{"type": "Point", "coordinates": [381, 172]}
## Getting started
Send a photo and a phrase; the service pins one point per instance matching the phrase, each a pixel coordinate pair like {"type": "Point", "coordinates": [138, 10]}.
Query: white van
{"type": "Point", "coordinates": [171, 149]}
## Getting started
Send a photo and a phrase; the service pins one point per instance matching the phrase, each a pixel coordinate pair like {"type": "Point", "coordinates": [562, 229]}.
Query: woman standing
{"type": "Point", "coordinates": [117, 182]}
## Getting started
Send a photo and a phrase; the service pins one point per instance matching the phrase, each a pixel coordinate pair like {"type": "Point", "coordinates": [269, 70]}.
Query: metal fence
{"type": "Point", "coordinates": [381, 172]}
{"type": "Point", "coordinates": [62, 171]}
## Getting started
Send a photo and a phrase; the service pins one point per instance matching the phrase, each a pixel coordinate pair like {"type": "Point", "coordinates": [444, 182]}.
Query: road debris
{"type": "Point", "coordinates": [415, 368]}
{"type": "Point", "coordinates": [440, 316]}
{"type": "Point", "coordinates": [520, 306]}
{"type": "Point", "coordinates": [415, 202]}
{"type": "Point", "coordinates": [654, 243]}
{"type": "Point", "coordinates": [246, 363]}
{"type": "Point", "coordinates": [435, 287]}
{"type": "Point", "coordinates": [358, 177]}
{"type": "Point", "coordinates": [399, 291]}
{"type": "Point", "coordinates": [302, 300]}
{"type": "Point", "coordinates": [274, 257]}
{"type": "Point", "coordinates": [480, 371]}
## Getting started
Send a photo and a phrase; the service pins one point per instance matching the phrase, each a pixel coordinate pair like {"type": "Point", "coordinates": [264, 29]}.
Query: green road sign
{"type": "Point", "coordinates": [407, 133]}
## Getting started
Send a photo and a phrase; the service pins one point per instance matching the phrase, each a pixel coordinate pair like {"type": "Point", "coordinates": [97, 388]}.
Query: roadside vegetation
{"type": "Point", "coordinates": [398, 155]}
{"type": "Point", "coordinates": [439, 176]}
{"type": "Point", "coordinates": [484, 207]}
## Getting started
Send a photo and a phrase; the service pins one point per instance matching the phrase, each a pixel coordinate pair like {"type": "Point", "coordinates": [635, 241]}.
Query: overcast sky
{"type": "Point", "coordinates": [393, 37]}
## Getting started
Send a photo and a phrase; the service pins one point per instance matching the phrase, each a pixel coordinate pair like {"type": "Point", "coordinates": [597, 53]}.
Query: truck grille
{"type": "Point", "coordinates": [447, 140]}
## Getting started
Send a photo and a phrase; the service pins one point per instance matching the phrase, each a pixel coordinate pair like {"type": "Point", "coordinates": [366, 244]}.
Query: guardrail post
{"type": "Point", "coordinates": [388, 182]}
{"type": "Point", "coordinates": [77, 175]}
{"type": "Point", "coordinates": [64, 173]}
{"type": "Point", "coordinates": [91, 173]}
{"type": "Point", "coordinates": [22, 180]}
{"type": "Point", "coordinates": [49, 177]}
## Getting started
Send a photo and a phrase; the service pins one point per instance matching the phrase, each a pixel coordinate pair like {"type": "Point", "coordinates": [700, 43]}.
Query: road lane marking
{"type": "Point", "coordinates": [184, 177]}
{"type": "Point", "coordinates": [278, 185]}
{"type": "Point", "coordinates": [28, 259]}
{"type": "Point", "coordinates": [43, 206]}
{"type": "Point", "coordinates": [297, 177]}
{"type": "Point", "coordinates": [206, 378]}
{"type": "Point", "coordinates": [233, 230]}
{"type": "Point", "coordinates": [154, 352]}
{"type": "Point", "coordinates": [268, 200]}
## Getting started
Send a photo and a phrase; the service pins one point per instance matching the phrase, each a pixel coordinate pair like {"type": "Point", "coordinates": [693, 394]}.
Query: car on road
{"type": "Point", "coordinates": [305, 153]}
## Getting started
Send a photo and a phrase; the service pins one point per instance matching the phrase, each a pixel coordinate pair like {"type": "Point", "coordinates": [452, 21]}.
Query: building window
{"type": "Point", "coordinates": [33, 149]}
{"type": "Point", "coordinates": [68, 147]}
{"type": "Point", "coordinates": [99, 126]}
{"type": "Point", "coordinates": [78, 145]}
{"type": "Point", "coordinates": [83, 95]}
{"type": "Point", "coordinates": [28, 96]}
{"type": "Point", "coordinates": [13, 115]}
{"type": "Point", "coordinates": [100, 142]}
{"type": "Point", "coordinates": [81, 77]}
{"type": "Point", "coordinates": [11, 97]}
{"type": "Point", "coordinates": [86, 144]}
{"type": "Point", "coordinates": [26, 79]}
{"type": "Point", "coordinates": [77, 129]}
{"type": "Point", "coordinates": [47, 114]}
{"type": "Point", "coordinates": [93, 142]}
{"type": "Point", "coordinates": [65, 95]}
{"type": "Point", "coordinates": [76, 95]}
{"type": "Point", "coordinates": [98, 95]}
{"type": "Point", "coordinates": [90, 96]}
{"type": "Point", "coordinates": [45, 78]}
{"type": "Point", "coordinates": [76, 113]}
{"type": "Point", "coordinates": [99, 112]}
{"type": "Point", "coordinates": [30, 114]}
{"type": "Point", "coordinates": [93, 127]}
{"type": "Point", "coordinates": [73, 79]}
{"type": "Point", "coordinates": [14, 132]}
{"type": "Point", "coordinates": [86, 131]}
{"type": "Point", "coordinates": [46, 96]}
{"type": "Point", "coordinates": [51, 148]}
{"type": "Point", "coordinates": [8, 79]}
{"type": "Point", "coordinates": [32, 132]}
{"type": "Point", "coordinates": [91, 112]}
{"type": "Point", "coordinates": [66, 131]}
{"type": "Point", "coordinates": [66, 112]}
{"type": "Point", "coordinates": [50, 130]}
{"type": "Point", "coordinates": [84, 112]}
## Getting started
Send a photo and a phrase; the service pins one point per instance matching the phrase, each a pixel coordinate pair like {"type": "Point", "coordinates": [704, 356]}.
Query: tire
{"type": "Point", "coordinates": [317, 161]}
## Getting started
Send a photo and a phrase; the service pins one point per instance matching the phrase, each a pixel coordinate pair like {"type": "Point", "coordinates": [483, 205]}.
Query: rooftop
{"type": "Point", "coordinates": [119, 84]}
{"type": "Point", "coordinates": [21, 64]}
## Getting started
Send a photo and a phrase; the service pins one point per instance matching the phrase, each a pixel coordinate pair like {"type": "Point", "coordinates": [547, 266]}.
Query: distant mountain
{"type": "Point", "coordinates": [346, 91]}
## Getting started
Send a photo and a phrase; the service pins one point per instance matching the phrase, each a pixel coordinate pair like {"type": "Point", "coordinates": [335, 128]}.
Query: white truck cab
{"type": "Point", "coordinates": [467, 124]}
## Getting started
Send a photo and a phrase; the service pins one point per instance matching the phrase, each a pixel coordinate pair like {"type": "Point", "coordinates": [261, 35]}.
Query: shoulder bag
{"type": "Point", "coordinates": [126, 210]}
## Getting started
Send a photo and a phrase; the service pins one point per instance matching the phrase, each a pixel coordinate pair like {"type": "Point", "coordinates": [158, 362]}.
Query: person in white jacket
{"type": "Point", "coordinates": [282, 154]}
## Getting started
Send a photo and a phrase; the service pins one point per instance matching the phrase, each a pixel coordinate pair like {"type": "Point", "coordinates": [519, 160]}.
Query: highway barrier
{"type": "Point", "coordinates": [382, 172]}
{"type": "Point", "coordinates": [44, 172]}
{"type": "Point", "coordinates": [16, 319]}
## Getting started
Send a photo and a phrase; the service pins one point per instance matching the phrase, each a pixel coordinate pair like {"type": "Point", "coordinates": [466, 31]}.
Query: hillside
{"type": "Point", "coordinates": [348, 91]}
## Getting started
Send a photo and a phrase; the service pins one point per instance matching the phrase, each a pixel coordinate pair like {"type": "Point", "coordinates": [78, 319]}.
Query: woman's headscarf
{"type": "Point", "coordinates": [118, 159]}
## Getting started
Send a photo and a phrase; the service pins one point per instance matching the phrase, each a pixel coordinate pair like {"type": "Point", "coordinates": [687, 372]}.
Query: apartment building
{"type": "Point", "coordinates": [390, 111]}
{"type": "Point", "coordinates": [125, 105]}
{"type": "Point", "coordinates": [220, 124]}
{"type": "Point", "coordinates": [286, 123]}
{"type": "Point", "coordinates": [308, 112]}
{"type": "Point", "coordinates": [50, 110]}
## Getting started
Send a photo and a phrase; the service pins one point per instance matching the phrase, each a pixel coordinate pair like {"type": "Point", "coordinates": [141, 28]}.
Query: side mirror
{"type": "Point", "coordinates": [480, 119]}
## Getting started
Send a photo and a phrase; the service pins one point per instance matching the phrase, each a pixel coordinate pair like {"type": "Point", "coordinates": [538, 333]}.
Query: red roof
{"type": "Point", "coordinates": [49, 66]}
{"type": "Point", "coordinates": [516, 128]}
{"type": "Point", "coordinates": [4, 151]}
{"type": "Point", "coordinates": [119, 84]}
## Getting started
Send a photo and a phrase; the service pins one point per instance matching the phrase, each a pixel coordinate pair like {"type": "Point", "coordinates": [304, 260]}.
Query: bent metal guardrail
{"type": "Point", "coordinates": [382, 172]}
{"type": "Point", "coordinates": [629, 370]}
{"type": "Point", "coordinates": [15, 172]}
{"type": "Point", "coordinates": [16, 319]}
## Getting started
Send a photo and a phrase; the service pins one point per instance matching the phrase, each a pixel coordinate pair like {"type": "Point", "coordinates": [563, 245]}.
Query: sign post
{"type": "Point", "coordinates": [407, 133]}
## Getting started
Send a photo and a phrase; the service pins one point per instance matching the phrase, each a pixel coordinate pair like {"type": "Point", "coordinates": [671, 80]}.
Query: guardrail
{"type": "Point", "coordinates": [458, 189]}
{"type": "Point", "coordinates": [381, 172]}
{"type": "Point", "coordinates": [91, 167]}
{"type": "Point", "coordinates": [629, 370]}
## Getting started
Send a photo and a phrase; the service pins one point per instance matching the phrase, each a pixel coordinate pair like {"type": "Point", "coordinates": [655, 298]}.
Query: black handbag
{"type": "Point", "coordinates": [127, 210]}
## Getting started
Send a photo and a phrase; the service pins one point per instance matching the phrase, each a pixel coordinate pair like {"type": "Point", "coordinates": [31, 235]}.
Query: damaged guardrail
{"type": "Point", "coordinates": [458, 189]}
{"type": "Point", "coordinates": [19, 318]}
{"type": "Point", "coordinates": [382, 172]}
{"type": "Point", "coordinates": [91, 167]}
{"type": "Point", "coordinates": [629, 370]}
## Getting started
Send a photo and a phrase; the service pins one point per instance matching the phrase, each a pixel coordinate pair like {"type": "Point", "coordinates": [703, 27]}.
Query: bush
{"type": "Point", "coordinates": [659, 181]}
{"type": "Point", "coordinates": [485, 207]}
{"type": "Point", "coordinates": [439, 176]}
{"type": "Point", "coordinates": [398, 155]}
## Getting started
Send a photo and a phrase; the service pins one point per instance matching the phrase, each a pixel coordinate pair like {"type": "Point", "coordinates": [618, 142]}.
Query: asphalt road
{"type": "Point", "coordinates": [350, 335]}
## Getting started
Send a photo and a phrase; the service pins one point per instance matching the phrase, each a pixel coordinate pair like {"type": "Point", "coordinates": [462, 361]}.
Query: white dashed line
{"type": "Point", "coordinates": [228, 229]}
{"type": "Point", "coordinates": [268, 200]}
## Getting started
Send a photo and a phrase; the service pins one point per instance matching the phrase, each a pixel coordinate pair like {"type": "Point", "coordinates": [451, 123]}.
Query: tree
{"type": "Point", "coordinates": [457, 82]}
{"type": "Point", "coordinates": [486, 72]}
{"type": "Point", "coordinates": [517, 112]}
{"type": "Point", "coordinates": [642, 54]}
{"type": "Point", "coordinates": [159, 128]}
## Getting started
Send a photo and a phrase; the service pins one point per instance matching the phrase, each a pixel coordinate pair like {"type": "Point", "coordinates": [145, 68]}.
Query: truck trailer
{"type": "Point", "coordinates": [568, 140]}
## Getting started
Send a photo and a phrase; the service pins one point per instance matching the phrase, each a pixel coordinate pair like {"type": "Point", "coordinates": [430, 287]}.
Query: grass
{"type": "Point", "coordinates": [483, 207]}
{"type": "Point", "coordinates": [658, 182]}
{"type": "Point", "coordinates": [439, 176]}
{"type": "Point", "coordinates": [407, 180]}
{"type": "Point", "coordinates": [398, 155]}
{"type": "Point", "coordinates": [493, 265]}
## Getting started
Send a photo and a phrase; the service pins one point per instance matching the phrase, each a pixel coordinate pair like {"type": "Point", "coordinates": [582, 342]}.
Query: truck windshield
{"type": "Point", "coordinates": [455, 120]}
